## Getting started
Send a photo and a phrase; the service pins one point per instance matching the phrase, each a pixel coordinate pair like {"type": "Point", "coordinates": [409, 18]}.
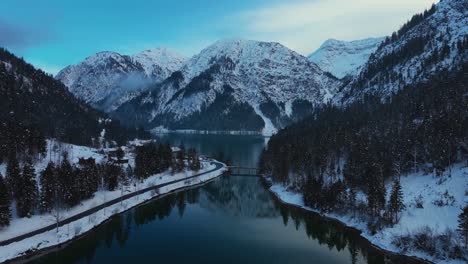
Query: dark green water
{"type": "Point", "coordinates": [229, 220]}
{"type": "Point", "coordinates": [240, 150]}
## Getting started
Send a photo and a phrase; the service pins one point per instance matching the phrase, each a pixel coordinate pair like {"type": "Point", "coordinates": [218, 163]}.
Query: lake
{"type": "Point", "coordinates": [232, 219]}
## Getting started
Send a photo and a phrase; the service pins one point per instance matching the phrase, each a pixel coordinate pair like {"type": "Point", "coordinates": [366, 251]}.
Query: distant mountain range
{"type": "Point", "coordinates": [234, 85]}
{"type": "Point", "coordinates": [258, 86]}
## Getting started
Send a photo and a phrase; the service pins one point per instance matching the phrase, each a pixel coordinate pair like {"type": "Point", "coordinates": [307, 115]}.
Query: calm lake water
{"type": "Point", "coordinates": [230, 220]}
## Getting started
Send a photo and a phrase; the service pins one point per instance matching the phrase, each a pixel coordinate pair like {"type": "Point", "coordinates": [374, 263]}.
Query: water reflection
{"type": "Point", "coordinates": [240, 150]}
{"type": "Point", "coordinates": [230, 220]}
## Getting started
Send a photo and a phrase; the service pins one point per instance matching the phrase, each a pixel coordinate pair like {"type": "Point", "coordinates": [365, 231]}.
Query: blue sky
{"type": "Point", "coordinates": [54, 33]}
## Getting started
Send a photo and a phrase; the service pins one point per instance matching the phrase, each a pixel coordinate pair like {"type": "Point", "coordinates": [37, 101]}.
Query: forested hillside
{"type": "Point", "coordinates": [33, 106]}
{"type": "Point", "coordinates": [378, 135]}
{"type": "Point", "coordinates": [423, 127]}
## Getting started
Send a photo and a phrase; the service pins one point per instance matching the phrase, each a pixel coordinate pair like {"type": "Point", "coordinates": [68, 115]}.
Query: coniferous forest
{"type": "Point", "coordinates": [352, 151]}
{"type": "Point", "coordinates": [64, 185]}
{"type": "Point", "coordinates": [337, 152]}
{"type": "Point", "coordinates": [35, 106]}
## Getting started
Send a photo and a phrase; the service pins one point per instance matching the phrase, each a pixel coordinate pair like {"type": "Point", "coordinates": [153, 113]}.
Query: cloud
{"type": "Point", "coordinates": [304, 24]}
{"type": "Point", "coordinates": [20, 37]}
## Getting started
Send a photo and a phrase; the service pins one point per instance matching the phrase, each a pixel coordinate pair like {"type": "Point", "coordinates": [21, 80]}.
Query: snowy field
{"type": "Point", "coordinates": [19, 226]}
{"type": "Point", "coordinates": [415, 186]}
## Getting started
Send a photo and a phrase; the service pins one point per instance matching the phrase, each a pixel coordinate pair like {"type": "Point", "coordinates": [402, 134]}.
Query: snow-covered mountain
{"type": "Point", "coordinates": [234, 84]}
{"type": "Point", "coordinates": [32, 101]}
{"type": "Point", "coordinates": [342, 58]}
{"type": "Point", "coordinates": [430, 43]}
{"type": "Point", "coordinates": [108, 79]}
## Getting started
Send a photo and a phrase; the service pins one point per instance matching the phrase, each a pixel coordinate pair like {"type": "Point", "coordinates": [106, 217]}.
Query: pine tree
{"type": "Point", "coordinates": [112, 175]}
{"type": "Point", "coordinates": [166, 159]}
{"type": "Point", "coordinates": [5, 202]}
{"type": "Point", "coordinates": [13, 175]}
{"type": "Point", "coordinates": [396, 204]}
{"type": "Point", "coordinates": [193, 161]}
{"type": "Point", "coordinates": [67, 182]}
{"type": "Point", "coordinates": [352, 200]}
{"type": "Point", "coordinates": [463, 224]}
{"type": "Point", "coordinates": [27, 195]}
{"type": "Point", "coordinates": [86, 178]}
{"type": "Point", "coordinates": [180, 159]}
{"type": "Point", "coordinates": [48, 188]}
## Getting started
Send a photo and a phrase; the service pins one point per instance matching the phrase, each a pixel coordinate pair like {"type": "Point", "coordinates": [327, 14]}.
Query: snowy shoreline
{"type": "Point", "coordinates": [281, 199]}
{"type": "Point", "coordinates": [50, 240]}
{"type": "Point", "coordinates": [160, 130]}
{"type": "Point", "coordinates": [411, 219]}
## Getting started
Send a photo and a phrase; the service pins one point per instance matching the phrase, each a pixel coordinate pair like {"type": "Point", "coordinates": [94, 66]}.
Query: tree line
{"type": "Point", "coordinates": [63, 185]}
{"type": "Point", "coordinates": [155, 158]}
{"type": "Point", "coordinates": [337, 152]}
{"type": "Point", "coordinates": [35, 105]}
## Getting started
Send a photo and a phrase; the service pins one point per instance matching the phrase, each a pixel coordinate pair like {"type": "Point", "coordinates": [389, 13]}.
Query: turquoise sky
{"type": "Point", "coordinates": [54, 33]}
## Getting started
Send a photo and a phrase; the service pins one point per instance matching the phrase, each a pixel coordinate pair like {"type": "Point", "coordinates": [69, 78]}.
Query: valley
{"type": "Point", "coordinates": [255, 148]}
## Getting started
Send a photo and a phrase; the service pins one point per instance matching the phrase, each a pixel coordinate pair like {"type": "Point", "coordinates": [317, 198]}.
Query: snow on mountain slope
{"type": "Point", "coordinates": [159, 63]}
{"type": "Point", "coordinates": [342, 58]}
{"type": "Point", "coordinates": [429, 44]}
{"type": "Point", "coordinates": [247, 82]}
{"type": "Point", "coordinates": [108, 79]}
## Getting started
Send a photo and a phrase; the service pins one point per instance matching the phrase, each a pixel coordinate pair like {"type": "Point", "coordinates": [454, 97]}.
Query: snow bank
{"type": "Point", "coordinates": [76, 228]}
{"type": "Point", "coordinates": [431, 189]}
{"type": "Point", "coordinates": [20, 226]}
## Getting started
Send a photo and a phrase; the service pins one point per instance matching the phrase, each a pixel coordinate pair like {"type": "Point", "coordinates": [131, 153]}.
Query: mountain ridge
{"type": "Point", "coordinates": [425, 46]}
{"type": "Point", "coordinates": [342, 58]}
{"type": "Point", "coordinates": [107, 79]}
{"type": "Point", "coordinates": [263, 78]}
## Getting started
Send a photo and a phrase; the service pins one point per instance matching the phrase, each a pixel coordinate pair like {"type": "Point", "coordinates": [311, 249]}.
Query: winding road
{"type": "Point", "coordinates": [104, 205]}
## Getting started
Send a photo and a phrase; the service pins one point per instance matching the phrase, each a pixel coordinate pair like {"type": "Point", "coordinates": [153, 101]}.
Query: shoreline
{"type": "Point", "coordinates": [349, 227]}
{"type": "Point", "coordinates": [36, 251]}
{"type": "Point", "coordinates": [209, 132]}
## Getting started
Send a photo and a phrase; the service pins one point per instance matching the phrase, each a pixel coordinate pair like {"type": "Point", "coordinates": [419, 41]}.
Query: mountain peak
{"type": "Point", "coordinates": [250, 53]}
{"type": "Point", "coordinates": [159, 61]}
{"type": "Point", "coordinates": [342, 58]}
{"type": "Point", "coordinates": [427, 45]}
{"type": "Point", "coordinates": [106, 79]}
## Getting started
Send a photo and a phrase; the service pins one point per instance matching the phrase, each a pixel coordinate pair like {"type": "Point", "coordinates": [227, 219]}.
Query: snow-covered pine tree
{"type": "Point", "coordinates": [66, 181]}
{"type": "Point", "coordinates": [48, 188]}
{"type": "Point", "coordinates": [5, 201]}
{"type": "Point", "coordinates": [27, 193]}
{"type": "Point", "coordinates": [396, 204]}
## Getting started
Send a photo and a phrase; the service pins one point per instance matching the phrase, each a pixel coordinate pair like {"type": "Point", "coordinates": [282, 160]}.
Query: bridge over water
{"type": "Point", "coordinates": [244, 171]}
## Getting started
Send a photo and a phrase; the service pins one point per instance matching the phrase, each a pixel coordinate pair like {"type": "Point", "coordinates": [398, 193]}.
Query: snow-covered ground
{"type": "Point", "coordinates": [19, 226]}
{"type": "Point", "coordinates": [413, 219]}
{"type": "Point", "coordinates": [54, 150]}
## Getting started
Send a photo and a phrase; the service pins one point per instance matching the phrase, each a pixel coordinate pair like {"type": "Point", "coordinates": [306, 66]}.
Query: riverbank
{"type": "Point", "coordinates": [91, 213]}
{"type": "Point", "coordinates": [437, 218]}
